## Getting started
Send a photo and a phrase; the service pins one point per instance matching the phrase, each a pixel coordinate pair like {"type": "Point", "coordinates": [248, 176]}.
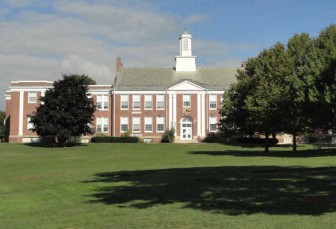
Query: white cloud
{"type": "Point", "coordinates": [77, 65]}
{"type": "Point", "coordinates": [85, 37]}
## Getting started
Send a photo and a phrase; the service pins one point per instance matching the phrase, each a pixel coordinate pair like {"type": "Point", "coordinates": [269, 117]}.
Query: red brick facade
{"type": "Point", "coordinates": [19, 107]}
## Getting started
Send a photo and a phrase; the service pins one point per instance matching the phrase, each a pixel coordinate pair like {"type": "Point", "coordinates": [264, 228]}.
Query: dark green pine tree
{"type": "Point", "coordinates": [66, 111]}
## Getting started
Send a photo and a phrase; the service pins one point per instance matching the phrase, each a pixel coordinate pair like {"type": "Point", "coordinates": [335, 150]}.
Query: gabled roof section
{"type": "Point", "coordinates": [186, 86]}
{"type": "Point", "coordinates": [165, 78]}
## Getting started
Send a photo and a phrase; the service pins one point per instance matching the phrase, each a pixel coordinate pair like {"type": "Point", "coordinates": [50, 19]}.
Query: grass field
{"type": "Point", "coordinates": [166, 186]}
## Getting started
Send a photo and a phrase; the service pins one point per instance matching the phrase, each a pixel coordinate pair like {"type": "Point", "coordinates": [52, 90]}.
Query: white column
{"type": "Point", "coordinates": [170, 110]}
{"type": "Point", "coordinates": [203, 114]}
{"type": "Point", "coordinates": [174, 111]}
{"type": "Point", "coordinates": [21, 113]}
{"type": "Point", "coordinates": [199, 116]}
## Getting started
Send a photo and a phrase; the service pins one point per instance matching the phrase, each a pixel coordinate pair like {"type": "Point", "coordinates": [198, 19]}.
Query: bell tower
{"type": "Point", "coordinates": [185, 62]}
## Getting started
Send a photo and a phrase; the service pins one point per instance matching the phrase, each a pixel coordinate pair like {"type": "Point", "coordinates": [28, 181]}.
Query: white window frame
{"type": "Point", "coordinates": [148, 127]}
{"type": "Point", "coordinates": [32, 97]}
{"type": "Point", "coordinates": [124, 100]}
{"type": "Point", "coordinates": [213, 121]}
{"type": "Point", "coordinates": [160, 99]}
{"type": "Point", "coordinates": [102, 102]}
{"type": "Point", "coordinates": [136, 124]}
{"type": "Point", "coordinates": [123, 121]}
{"type": "Point", "coordinates": [148, 101]}
{"type": "Point", "coordinates": [103, 122]}
{"type": "Point", "coordinates": [186, 100]}
{"type": "Point", "coordinates": [212, 101]}
{"type": "Point", "coordinates": [136, 99]}
{"type": "Point", "coordinates": [160, 121]}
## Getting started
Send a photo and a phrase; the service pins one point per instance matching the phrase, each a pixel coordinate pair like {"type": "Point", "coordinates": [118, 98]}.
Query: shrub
{"type": "Point", "coordinates": [214, 138]}
{"type": "Point", "coordinates": [168, 136]}
{"type": "Point", "coordinates": [109, 139]}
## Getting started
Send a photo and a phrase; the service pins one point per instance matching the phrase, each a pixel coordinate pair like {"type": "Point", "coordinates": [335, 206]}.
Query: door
{"type": "Point", "coordinates": [186, 129]}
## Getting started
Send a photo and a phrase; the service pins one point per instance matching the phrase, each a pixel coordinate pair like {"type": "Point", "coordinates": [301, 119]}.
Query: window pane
{"type": "Point", "coordinates": [186, 100]}
{"type": "Point", "coordinates": [213, 124]}
{"type": "Point", "coordinates": [148, 101]}
{"type": "Point", "coordinates": [148, 127]}
{"type": "Point", "coordinates": [136, 101]}
{"type": "Point", "coordinates": [136, 124]}
{"type": "Point", "coordinates": [160, 127]}
{"type": "Point", "coordinates": [124, 127]}
{"type": "Point", "coordinates": [160, 124]}
{"type": "Point", "coordinates": [124, 101]}
{"type": "Point", "coordinates": [32, 97]}
{"type": "Point", "coordinates": [213, 101]}
{"type": "Point", "coordinates": [159, 101]}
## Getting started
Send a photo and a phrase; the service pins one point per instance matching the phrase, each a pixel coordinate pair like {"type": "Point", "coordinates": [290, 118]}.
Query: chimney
{"type": "Point", "coordinates": [119, 65]}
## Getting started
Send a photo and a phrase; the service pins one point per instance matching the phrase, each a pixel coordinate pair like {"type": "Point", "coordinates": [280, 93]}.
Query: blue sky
{"type": "Point", "coordinates": [42, 39]}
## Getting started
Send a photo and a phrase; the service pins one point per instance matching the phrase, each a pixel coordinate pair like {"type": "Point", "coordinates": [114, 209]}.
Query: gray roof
{"type": "Point", "coordinates": [164, 78]}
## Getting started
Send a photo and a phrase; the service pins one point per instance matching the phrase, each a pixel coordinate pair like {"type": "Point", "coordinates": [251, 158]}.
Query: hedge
{"type": "Point", "coordinates": [115, 139]}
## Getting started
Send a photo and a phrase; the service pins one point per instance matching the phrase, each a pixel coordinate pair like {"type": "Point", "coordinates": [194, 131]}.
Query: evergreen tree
{"type": "Point", "coordinates": [66, 111]}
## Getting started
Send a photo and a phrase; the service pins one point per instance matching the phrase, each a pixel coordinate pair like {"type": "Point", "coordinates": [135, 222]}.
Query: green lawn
{"type": "Point", "coordinates": [166, 186]}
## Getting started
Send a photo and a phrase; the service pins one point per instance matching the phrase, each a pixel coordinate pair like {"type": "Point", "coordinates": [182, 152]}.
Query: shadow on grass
{"type": "Point", "coordinates": [227, 190]}
{"type": "Point", "coordinates": [41, 145]}
{"type": "Point", "coordinates": [300, 154]}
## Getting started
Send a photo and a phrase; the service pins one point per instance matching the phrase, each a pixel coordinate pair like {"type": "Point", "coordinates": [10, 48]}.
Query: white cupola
{"type": "Point", "coordinates": [185, 62]}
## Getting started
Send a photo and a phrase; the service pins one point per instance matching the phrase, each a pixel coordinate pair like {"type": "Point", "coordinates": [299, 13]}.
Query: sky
{"type": "Point", "coordinates": [43, 39]}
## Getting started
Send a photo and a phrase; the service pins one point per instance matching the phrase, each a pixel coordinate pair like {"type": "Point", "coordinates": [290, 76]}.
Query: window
{"type": "Point", "coordinates": [102, 125]}
{"type": "Point", "coordinates": [160, 124]}
{"type": "Point", "coordinates": [159, 101]}
{"type": "Point", "coordinates": [32, 97]}
{"type": "Point", "coordinates": [148, 101]}
{"type": "Point", "coordinates": [29, 124]}
{"type": "Point", "coordinates": [212, 124]}
{"type": "Point", "coordinates": [185, 44]}
{"type": "Point", "coordinates": [148, 124]}
{"type": "Point", "coordinates": [136, 101]}
{"type": "Point", "coordinates": [124, 124]}
{"type": "Point", "coordinates": [136, 124]}
{"type": "Point", "coordinates": [102, 102]}
{"type": "Point", "coordinates": [186, 100]}
{"type": "Point", "coordinates": [124, 102]}
{"type": "Point", "coordinates": [212, 101]}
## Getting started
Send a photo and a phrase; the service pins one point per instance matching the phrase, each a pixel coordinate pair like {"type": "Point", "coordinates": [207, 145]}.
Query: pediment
{"type": "Point", "coordinates": [186, 86]}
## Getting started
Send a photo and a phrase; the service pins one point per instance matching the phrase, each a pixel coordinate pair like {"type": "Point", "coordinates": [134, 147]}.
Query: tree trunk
{"type": "Point", "coordinates": [266, 143]}
{"type": "Point", "coordinates": [294, 142]}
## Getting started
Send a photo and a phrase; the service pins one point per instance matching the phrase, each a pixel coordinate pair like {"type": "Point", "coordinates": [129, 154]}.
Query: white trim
{"type": "Point", "coordinates": [174, 111]}
{"type": "Point", "coordinates": [203, 114]}
{"type": "Point", "coordinates": [39, 89]}
{"type": "Point", "coordinates": [21, 107]}
{"type": "Point", "coordinates": [177, 87]}
{"type": "Point", "coordinates": [99, 92]}
{"type": "Point", "coordinates": [140, 92]}
{"type": "Point", "coordinates": [199, 115]}
{"type": "Point", "coordinates": [114, 117]}
{"type": "Point", "coordinates": [32, 81]}
{"type": "Point", "coordinates": [170, 110]}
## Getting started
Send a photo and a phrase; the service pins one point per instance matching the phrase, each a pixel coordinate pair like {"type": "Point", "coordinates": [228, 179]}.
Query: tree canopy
{"type": "Point", "coordinates": [66, 110]}
{"type": "Point", "coordinates": [287, 88]}
{"type": "Point", "coordinates": [2, 124]}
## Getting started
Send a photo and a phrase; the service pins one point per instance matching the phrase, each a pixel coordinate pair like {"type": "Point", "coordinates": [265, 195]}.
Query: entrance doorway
{"type": "Point", "coordinates": [186, 129]}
